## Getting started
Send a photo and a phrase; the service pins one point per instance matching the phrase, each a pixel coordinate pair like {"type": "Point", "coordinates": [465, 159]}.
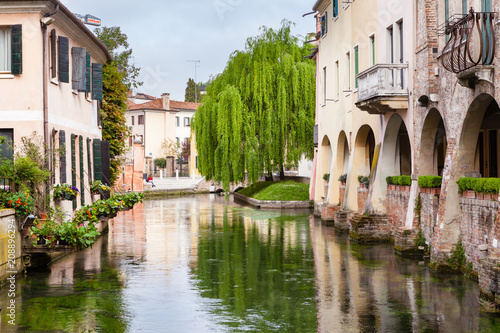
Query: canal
{"type": "Point", "coordinates": [203, 264]}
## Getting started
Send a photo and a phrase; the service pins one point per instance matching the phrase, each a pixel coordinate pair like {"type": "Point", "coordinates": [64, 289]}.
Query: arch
{"type": "Point", "coordinates": [341, 165]}
{"type": "Point", "coordinates": [326, 155]}
{"type": "Point", "coordinates": [433, 145]}
{"type": "Point", "coordinates": [361, 163]}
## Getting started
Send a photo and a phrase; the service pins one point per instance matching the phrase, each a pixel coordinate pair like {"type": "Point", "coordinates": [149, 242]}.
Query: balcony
{"type": "Point", "coordinates": [383, 88]}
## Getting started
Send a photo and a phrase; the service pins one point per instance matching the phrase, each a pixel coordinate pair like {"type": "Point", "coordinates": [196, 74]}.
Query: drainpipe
{"type": "Point", "coordinates": [45, 21]}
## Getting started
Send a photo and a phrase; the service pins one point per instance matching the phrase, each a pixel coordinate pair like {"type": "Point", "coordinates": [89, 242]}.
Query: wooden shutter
{"type": "Point", "coordinates": [53, 53]}
{"type": "Point", "coordinates": [79, 68]}
{"type": "Point", "coordinates": [63, 50]}
{"type": "Point", "coordinates": [335, 8]}
{"type": "Point", "coordinates": [97, 81]}
{"type": "Point", "coordinates": [73, 165]}
{"type": "Point", "coordinates": [97, 159]}
{"type": "Point", "coordinates": [16, 49]}
{"type": "Point", "coordinates": [89, 160]}
{"type": "Point", "coordinates": [82, 183]}
{"type": "Point", "coordinates": [88, 72]}
{"type": "Point", "coordinates": [62, 156]}
{"type": "Point", "coordinates": [105, 159]}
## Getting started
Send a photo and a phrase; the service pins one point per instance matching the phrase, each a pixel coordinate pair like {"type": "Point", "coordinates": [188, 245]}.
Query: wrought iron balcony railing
{"type": "Point", "coordinates": [471, 41]}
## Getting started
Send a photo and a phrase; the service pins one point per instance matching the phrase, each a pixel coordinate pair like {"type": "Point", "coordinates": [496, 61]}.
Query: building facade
{"type": "Point", "coordinates": [51, 83]}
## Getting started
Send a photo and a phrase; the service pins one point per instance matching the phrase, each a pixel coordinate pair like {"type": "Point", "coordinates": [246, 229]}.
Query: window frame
{"type": "Point", "coordinates": [8, 53]}
{"type": "Point", "coordinates": [140, 119]}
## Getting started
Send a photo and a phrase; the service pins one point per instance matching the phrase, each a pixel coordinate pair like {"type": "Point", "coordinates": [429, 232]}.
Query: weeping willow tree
{"type": "Point", "coordinates": [259, 113]}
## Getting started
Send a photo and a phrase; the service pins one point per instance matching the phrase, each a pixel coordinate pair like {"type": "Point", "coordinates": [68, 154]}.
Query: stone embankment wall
{"type": "Point", "coordinates": [11, 260]}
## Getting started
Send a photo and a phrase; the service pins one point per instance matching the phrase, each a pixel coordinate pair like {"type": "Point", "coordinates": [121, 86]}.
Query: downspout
{"type": "Point", "coordinates": [46, 137]}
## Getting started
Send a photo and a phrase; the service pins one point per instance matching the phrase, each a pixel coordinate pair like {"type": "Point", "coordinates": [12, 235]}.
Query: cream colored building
{"type": "Point", "coordinates": [159, 119]}
{"type": "Point", "coordinates": [51, 84]}
{"type": "Point", "coordinates": [362, 97]}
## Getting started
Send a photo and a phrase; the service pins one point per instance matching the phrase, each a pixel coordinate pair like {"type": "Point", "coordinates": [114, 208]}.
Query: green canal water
{"type": "Point", "coordinates": [202, 264]}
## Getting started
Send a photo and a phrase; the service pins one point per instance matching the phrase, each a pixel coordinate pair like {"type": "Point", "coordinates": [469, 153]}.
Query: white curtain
{"type": "Point", "coordinates": [5, 50]}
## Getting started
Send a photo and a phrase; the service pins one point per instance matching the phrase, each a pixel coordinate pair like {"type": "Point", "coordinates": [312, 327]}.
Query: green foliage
{"type": "Point", "coordinates": [186, 149]}
{"type": "Point", "coordinates": [364, 180]}
{"type": "Point", "coordinates": [98, 187]}
{"type": "Point", "coordinates": [189, 94]}
{"type": "Point", "coordinates": [420, 239]}
{"type": "Point", "coordinates": [114, 127]}
{"type": "Point", "coordinates": [22, 203]}
{"type": "Point", "coordinates": [161, 162]}
{"type": "Point", "coordinates": [278, 191]}
{"type": "Point", "coordinates": [398, 180]}
{"type": "Point", "coordinates": [326, 176]}
{"type": "Point", "coordinates": [259, 113]}
{"type": "Point", "coordinates": [117, 44]}
{"type": "Point", "coordinates": [65, 192]}
{"type": "Point", "coordinates": [457, 260]}
{"type": "Point", "coordinates": [430, 181]}
{"type": "Point", "coordinates": [343, 178]}
{"type": "Point", "coordinates": [484, 185]}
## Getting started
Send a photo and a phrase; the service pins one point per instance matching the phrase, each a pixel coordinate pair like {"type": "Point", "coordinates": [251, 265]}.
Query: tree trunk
{"type": "Point", "coordinates": [282, 172]}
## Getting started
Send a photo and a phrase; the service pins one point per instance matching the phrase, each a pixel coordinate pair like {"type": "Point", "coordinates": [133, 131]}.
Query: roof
{"type": "Point", "coordinates": [157, 104]}
{"type": "Point", "coordinates": [77, 22]}
{"type": "Point", "coordinates": [142, 96]}
{"type": "Point", "coordinates": [316, 5]}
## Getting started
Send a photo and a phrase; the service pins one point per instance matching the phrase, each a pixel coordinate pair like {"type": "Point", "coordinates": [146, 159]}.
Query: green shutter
{"type": "Point", "coordinates": [335, 8]}
{"type": "Point", "coordinates": [356, 66]}
{"type": "Point", "coordinates": [73, 165]}
{"type": "Point", "coordinates": [88, 71]}
{"type": "Point", "coordinates": [89, 160]}
{"type": "Point", "coordinates": [79, 68]}
{"type": "Point", "coordinates": [82, 183]}
{"type": "Point", "coordinates": [63, 51]}
{"type": "Point", "coordinates": [97, 82]}
{"type": "Point", "coordinates": [53, 54]}
{"type": "Point", "coordinates": [97, 160]}
{"type": "Point", "coordinates": [62, 156]}
{"type": "Point", "coordinates": [16, 49]}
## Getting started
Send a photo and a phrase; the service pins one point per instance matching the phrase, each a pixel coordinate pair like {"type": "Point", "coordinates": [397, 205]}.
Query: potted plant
{"type": "Point", "coordinates": [97, 187]}
{"type": "Point", "coordinates": [364, 181]}
{"type": "Point", "coordinates": [65, 192]}
{"type": "Point", "coordinates": [22, 203]}
{"type": "Point", "coordinates": [343, 178]}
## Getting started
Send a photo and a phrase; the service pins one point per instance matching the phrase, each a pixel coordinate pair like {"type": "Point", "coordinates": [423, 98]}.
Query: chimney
{"type": "Point", "coordinates": [166, 101]}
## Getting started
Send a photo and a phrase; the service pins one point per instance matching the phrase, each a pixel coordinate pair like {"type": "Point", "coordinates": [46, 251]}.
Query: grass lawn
{"type": "Point", "coordinates": [277, 191]}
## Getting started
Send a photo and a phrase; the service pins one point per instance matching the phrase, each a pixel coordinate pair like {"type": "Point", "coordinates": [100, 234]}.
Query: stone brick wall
{"type": "Point", "coordinates": [328, 213]}
{"type": "Point", "coordinates": [397, 199]}
{"type": "Point", "coordinates": [429, 207]}
{"type": "Point", "coordinates": [362, 195]}
{"type": "Point", "coordinates": [341, 194]}
{"type": "Point", "coordinates": [479, 229]}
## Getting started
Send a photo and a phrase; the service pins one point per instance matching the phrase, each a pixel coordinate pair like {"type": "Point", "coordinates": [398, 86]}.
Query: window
{"type": "Point", "coordinates": [390, 45]}
{"type": "Point", "coordinates": [324, 85]}
{"type": "Point", "coordinates": [348, 71]}
{"type": "Point", "coordinates": [337, 79]}
{"type": "Point", "coordinates": [372, 49]}
{"type": "Point", "coordinates": [464, 6]}
{"type": "Point", "coordinates": [178, 141]}
{"type": "Point", "coordinates": [356, 66]}
{"type": "Point", "coordinates": [187, 121]}
{"type": "Point", "coordinates": [53, 54]}
{"type": "Point", "coordinates": [7, 150]}
{"type": "Point", "coordinates": [11, 47]}
{"type": "Point", "coordinates": [177, 121]}
{"type": "Point", "coordinates": [140, 120]}
{"type": "Point", "coordinates": [324, 24]}
{"type": "Point", "coordinates": [335, 8]}
{"type": "Point", "coordinates": [133, 120]}
{"type": "Point", "coordinates": [130, 141]}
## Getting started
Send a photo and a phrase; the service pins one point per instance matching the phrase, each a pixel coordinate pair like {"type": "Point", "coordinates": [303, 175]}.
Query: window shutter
{"type": "Point", "coordinates": [88, 71]}
{"type": "Point", "coordinates": [79, 68]}
{"type": "Point", "coordinates": [82, 183]}
{"type": "Point", "coordinates": [63, 50]}
{"type": "Point", "coordinates": [16, 49]}
{"type": "Point", "coordinates": [89, 160]}
{"type": "Point", "coordinates": [62, 157]}
{"type": "Point", "coordinates": [335, 8]}
{"type": "Point", "coordinates": [53, 54]}
{"type": "Point", "coordinates": [97, 159]}
{"type": "Point", "coordinates": [73, 165]}
{"type": "Point", "coordinates": [97, 81]}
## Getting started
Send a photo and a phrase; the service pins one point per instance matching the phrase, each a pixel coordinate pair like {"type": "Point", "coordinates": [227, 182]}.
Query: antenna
{"type": "Point", "coordinates": [195, 65]}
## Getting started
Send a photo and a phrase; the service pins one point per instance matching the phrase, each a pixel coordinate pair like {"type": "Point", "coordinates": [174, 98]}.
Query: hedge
{"type": "Point", "coordinates": [484, 185]}
{"type": "Point", "coordinates": [398, 180]}
{"type": "Point", "coordinates": [430, 181]}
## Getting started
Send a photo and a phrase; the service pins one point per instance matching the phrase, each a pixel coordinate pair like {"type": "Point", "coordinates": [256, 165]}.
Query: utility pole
{"type": "Point", "coordinates": [195, 65]}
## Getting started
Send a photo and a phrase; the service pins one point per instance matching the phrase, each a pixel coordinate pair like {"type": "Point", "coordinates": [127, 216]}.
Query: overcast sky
{"type": "Point", "coordinates": [164, 34]}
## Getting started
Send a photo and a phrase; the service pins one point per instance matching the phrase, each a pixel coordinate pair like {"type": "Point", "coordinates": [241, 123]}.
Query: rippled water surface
{"type": "Point", "coordinates": [202, 264]}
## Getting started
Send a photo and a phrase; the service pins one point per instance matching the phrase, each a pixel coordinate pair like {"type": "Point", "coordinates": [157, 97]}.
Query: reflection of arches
{"type": "Point", "coordinates": [433, 145]}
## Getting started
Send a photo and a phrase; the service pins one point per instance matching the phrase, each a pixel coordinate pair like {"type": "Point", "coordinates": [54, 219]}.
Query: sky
{"type": "Point", "coordinates": [165, 34]}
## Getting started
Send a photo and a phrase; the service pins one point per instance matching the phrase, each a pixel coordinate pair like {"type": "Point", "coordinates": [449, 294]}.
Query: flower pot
{"type": "Point", "coordinates": [68, 196]}
{"type": "Point", "coordinates": [469, 194]}
{"type": "Point", "coordinates": [480, 195]}
{"type": "Point", "coordinates": [436, 191]}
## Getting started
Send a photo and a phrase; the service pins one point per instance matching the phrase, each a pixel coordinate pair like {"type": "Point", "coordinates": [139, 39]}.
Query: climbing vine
{"type": "Point", "coordinates": [259, 113]}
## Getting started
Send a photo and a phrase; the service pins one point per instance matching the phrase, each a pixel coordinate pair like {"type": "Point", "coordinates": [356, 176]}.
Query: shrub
{"type": "Point", "coordinates": [389, 180]}
{"type": "Point", "coordinates": [364, 180]}
{"type": "Point", "coordinates": [485, 185]}
{"type": "Point", "coordinates": [401, 180]}
{"type": "Point", "coordinates": [22, 203]}
{"type": "Point", "coordinates": [326, 176]}
{"type": "Point", "coordinates": [343, 178]}
{"type": "Point", "coordinates": [161, 162]}
{"type": "Point", "coordinates": [430, 181]}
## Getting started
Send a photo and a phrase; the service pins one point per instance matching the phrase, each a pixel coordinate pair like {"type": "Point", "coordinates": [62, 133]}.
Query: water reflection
{"type": "Point", "coordinates": [202, 264]}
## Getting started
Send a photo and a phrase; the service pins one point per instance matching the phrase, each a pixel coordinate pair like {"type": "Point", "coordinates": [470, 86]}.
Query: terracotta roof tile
{"type": "Point", "coordinates": [157, 104]}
